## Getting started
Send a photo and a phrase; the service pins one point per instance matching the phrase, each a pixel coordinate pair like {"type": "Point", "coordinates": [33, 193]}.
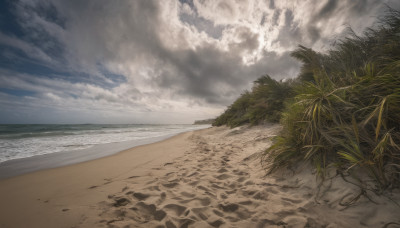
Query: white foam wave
{"type": "Point", "coordinates": [15, 148]}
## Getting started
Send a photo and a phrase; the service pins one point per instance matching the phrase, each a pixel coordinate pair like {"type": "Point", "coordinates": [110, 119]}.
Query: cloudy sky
{"type": "Point", "coordinates": [152, 61]}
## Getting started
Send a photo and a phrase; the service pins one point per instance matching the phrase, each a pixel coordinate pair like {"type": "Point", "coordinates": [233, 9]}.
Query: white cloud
{"type": "Point", "coordinates": [178, 62]}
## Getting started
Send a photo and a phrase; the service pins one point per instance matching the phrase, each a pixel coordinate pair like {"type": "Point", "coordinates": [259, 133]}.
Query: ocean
{"type": "Point", "coordinates": [23, 141]}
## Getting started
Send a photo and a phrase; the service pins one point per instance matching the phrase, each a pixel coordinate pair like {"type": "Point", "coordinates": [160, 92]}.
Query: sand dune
{"type": "Point", "coordinates": [217, 181]}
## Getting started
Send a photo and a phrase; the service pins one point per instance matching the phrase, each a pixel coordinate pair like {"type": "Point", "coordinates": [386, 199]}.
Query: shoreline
{"type": "Point", "coordinates": [21, 166]}
{"type": "Point", "coordinates": [45, 191]}
{"type": "Point", "coordinates": [203, 178]}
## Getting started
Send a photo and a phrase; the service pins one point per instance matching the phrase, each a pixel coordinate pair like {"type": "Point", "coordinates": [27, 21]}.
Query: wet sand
{"type": "Point", "coordinates": [21, 166]}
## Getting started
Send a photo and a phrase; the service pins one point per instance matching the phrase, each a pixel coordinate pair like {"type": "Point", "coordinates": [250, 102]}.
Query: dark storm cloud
{"type": "Point", "coordinates": [360, 6]}
{"type": "Point", "coordinates": [288, 17]}
{"type": "Point", "coordinates": [325, 18]}
{"type": "Point", "coordinates": [203, 73]}
{"type": "Point", "coordinates": [353, 8]}
{"type": "Point", "coordinates": [313, 33]}
{"type": "Point", "coordinates": [263, 19]}
{"type": "Point", "coordinates": [271, 4]}
{"type": "Point", "coordinates": [289, 34]}
{"type": "Point", "coordinates": [150, 55]}
{"type": "Point", "coordinates": [98, 34]}
{"type": "Point", "coordinates": [275, 17]}
{"type": "Point", "coordinates": [189, 2]}
{"type": "Point", "coordinates": [209, 73]}
{"type": "Point", "coordinates": [195, 73]}
{"type": "Point", "coordinates": [110, 30]}
{"type": "Point", "coordinates": [327, 10]}
{"type": "Point", "coordinates": [248, 41]}
{"type": "Point", "coordinates": [206, 73]}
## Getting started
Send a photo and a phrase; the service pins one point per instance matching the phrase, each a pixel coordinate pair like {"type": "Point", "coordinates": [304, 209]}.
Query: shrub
{"type": "Point", "coordinates": [346, 107]}
{"type": "Point", "coordinates": [263, 103]}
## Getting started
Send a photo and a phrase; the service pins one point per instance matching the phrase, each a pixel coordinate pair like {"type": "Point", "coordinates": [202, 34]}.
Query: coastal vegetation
{"type": "Point", "coordinates": [343, 109]}
{"type": "Point", "coordinates": [264, 103]}
{"type": "Point", "coordinates": [207, 121]}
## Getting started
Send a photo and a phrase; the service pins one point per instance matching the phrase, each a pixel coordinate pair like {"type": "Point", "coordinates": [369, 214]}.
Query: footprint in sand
{"type": "Point", "coordinates": [162, 198]}
{"type": "Point", "coordinates": [249, 182]}
{"type": "Point", "coordinates": [215, 186]}
{"type": "Point", "coordinates": [183, 223]}
{"type": "Point", "coordinates": [170, 185]}
{"type": "Point", "coordinates": [187, 194]}
{"type": "Point", "coordinates": [223, 176]}
{"type": "Point", "coordinates": [132, 177]}
{"type": "Point", "coordinates": [147, 212]}
{"type": "Point", "coordinates": [261, 195]}
{"type": "Point", "coordinates": [140, 196]}
{"type": "Point", "coordinates": [170, 224]}
{"type": "Point", "coordinates": [168, 174]}
{"type": "Point", "coordinates": [231, 207]}
{"type": "Point", "coordinates": [151, 182]}
{"type": "Point", "coordinates": [203, 201]}
{"type": "Point", "coordinates": [217, 223]}
{"type": "Point", "coordinates": [292, 200]}
{"type": "Point", "coordinates": [222, 170]}
{"type": "Point", "coordinates": [241, 179]}
{"type": "Point", "coordinates": [119, 202]}
{"type": "Point", "coordinates": [193, 174]}
{"type": "Point", "coordinates": [248, 193]}
{"type": "Point", "coordinates": [233, 185]}
{"type": "Point", "coordinates": [177, 209]}
{"type": "Point", "coordinates": [223, 196]}
{"type": "Point", "coordinates": [285, 213]}
{"type": "Point", "coordinates": [240, 172]}
{"type": "Point", "coordinates": [153, 188]}
{"type": "Point", "coordinates": [246, 202]}
{"type": "Point", "coordinates": [200, 214]}
{"type": "Point", "coordinates": [194, 183]}
{"type": "Point", "coordinates": [203, 188]}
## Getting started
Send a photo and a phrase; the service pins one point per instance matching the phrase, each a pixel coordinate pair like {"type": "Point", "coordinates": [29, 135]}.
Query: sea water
{"type": "Point", "coordinates": [23, 141]}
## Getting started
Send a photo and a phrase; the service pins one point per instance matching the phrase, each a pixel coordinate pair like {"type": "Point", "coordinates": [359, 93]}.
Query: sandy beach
{"type": "Point", "coordinates": [205, 178]}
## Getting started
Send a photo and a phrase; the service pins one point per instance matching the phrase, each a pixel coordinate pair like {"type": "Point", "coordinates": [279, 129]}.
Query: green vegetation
{"type": "Point", "coordinates": [343, 110]}
{"type": "Point", "coordinates": [264, 103]}
{"type": "Point", "coordinates": [207, 121]}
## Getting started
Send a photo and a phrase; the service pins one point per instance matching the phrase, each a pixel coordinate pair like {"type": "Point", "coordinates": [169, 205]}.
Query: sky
{"type": "Point", "coordinates": [151, 61]}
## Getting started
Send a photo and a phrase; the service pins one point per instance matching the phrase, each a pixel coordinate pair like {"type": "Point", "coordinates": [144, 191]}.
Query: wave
{"type": "Point", "coordinates": [20, 141]}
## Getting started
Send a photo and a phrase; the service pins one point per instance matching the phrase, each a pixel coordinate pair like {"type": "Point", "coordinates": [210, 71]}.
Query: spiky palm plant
{"type": "Point", "coordinates": [346, 110]}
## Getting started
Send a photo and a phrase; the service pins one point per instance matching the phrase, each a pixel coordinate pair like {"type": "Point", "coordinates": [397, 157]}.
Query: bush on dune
{"type": "Point", "coordinates": [264, 103]}
{"type": "Point", "coordinates": [342, 110]}
{"type": "Point", "coordinates": [346, 111]}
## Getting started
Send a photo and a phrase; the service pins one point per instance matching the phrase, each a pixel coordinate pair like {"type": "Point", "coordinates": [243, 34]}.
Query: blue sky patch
{"type": "Point", "coordinates": [17, 92]}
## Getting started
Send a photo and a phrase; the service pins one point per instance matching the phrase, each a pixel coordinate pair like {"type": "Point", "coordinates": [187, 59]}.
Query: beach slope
{"type": "Point", "coordinates": [205, 178]}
